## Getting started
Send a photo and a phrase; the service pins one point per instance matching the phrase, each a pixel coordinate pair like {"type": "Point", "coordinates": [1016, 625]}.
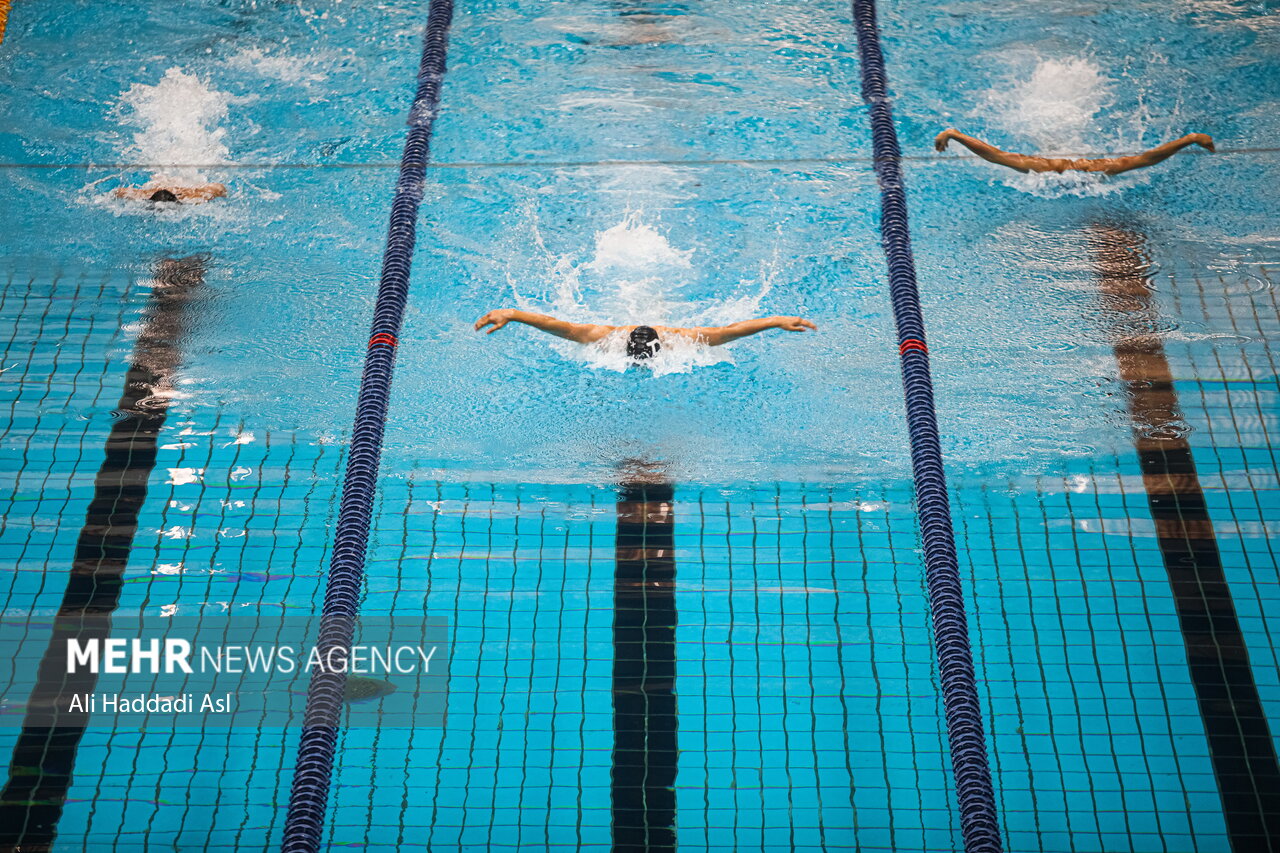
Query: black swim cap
{"type": "Point", "coordinates": [643, 342]}
{"type": "Point", "coordinates": [163, 195]}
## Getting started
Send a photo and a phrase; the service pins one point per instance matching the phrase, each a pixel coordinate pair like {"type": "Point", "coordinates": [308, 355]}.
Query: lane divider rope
{"type": "Point", "coordinates": [979, 826]}
{"type": "Point", "coordinates": [309, 797]}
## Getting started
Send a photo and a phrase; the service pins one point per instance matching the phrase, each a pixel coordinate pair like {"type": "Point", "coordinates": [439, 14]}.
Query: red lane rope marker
{"type": "Point", "coordinates": [912, 343]}
{"type": "Point", "coordinates": [382, 339]}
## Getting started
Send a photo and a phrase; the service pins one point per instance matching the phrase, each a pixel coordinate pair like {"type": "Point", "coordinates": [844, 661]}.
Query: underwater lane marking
{"type": "Point", "coordinates": [1241, 748]}
{"type": "Point", "coordinates": [44, 757]}
{"type": "Point", "coordinates": [645, 754]}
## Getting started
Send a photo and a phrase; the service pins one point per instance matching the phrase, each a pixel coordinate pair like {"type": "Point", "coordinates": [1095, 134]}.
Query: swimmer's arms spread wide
{"type": "Point", "coordinates": [189, 195]}
{"type": "Point", "coordinates": [1108, 165]}
{"type": "Point", "coordinates": [583, 333]}
{"type": "Point", "coordinates": [717, 335]}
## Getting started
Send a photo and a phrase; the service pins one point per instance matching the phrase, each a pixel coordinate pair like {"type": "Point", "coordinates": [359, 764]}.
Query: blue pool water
{"type": "Point", "coordinates": [669, 163]}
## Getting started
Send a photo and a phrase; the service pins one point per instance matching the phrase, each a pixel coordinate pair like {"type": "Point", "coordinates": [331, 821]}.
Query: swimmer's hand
{"type": "Point", "coordinates": [940, 141]}
{"type": "Point", "coordinates": [497, 318]}
{"type": "Point", "coordinates": [1204, 140]}
{"type": "Point", "coordinates": [793, 324]}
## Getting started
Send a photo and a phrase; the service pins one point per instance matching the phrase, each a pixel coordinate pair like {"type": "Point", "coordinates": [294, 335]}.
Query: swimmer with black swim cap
{"type": "Point", "coordinates": [643, 342]}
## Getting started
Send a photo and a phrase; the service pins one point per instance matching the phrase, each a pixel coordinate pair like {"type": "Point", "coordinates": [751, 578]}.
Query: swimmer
{"type": "Point", "coordinates": [158, 190]}
{"type": "Point", "coordinates": [642, 341]}
{"type": "Point", "coordinates": [1106, 165]}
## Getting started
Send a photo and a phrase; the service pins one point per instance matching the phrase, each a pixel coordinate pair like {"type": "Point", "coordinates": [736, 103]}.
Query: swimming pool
{"type": "Point", "coordinates": [678, 163]}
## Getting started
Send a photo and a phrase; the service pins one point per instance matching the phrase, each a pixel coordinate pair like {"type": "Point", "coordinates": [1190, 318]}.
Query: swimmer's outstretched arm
{"type": "Point", "coordinates": [206, 192]}
{"type": "Point", "coordinates": [992, 154]}
{"type": "Point", "coordinates": [1116, 165]}
{"type": "Point", "coordinates": [583, 333]}
{"type": "Point", "coordinates": [191, 195]}
{"type": "Point", "coordinates": [717, 335]}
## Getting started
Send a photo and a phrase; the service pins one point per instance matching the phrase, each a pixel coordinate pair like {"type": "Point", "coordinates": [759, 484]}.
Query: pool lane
{"type": "Point", "coordinates": [45, 754]}
{"type": "Point", "coordinates": [1162, 71]}
{"type": "Point", "coordinates": [1240, 738]}
{"type": "Point", "coordinates": [269, 519]}
{"type": "Point", "coordinates": [807, 629]}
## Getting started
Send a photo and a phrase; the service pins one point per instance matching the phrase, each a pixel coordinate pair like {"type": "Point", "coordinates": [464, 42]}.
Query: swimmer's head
{"type": "Point", "coordinates": [643, 343]}
{"type": "Point", "coordinates": [163, 195]}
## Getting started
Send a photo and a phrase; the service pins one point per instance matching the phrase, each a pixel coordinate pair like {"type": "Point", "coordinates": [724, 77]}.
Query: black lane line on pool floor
{"type": "Point", "coordinates": [643, 775]}
{"type": "Point", "coordinates": [44, 757]}
{"type": "Point", "coordinates": [1240, 744]}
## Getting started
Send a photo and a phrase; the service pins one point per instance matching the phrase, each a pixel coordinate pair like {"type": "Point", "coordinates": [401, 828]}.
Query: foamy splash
{"type": "Point", "coordinates": [278, 66]}
{"type": "Point", "coordinates": [179, 122]}
{"type": "Point", "coordinates": [634, 276]}
{"type": "Point", "coordinates": [1052, 108]}
{"type": "Point", "coordinates": [1079, 184]}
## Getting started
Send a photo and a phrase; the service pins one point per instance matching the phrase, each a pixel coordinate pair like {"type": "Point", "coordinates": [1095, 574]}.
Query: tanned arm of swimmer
{"type": "Point", "coordinates": [1108, 165]}
{"type": "Point", "coordinates": [717, 335]}
{"type": "Point", "coordinates": [583, 333]}
{"type": "Point", "coordinates": [206, 192]}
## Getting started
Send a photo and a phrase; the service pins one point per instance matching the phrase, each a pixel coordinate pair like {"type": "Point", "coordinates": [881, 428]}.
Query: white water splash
{"type": "Point", "coordinates": [634, 276]}
{"type": "Point", "coordinates": [632, 244]}
{"type": "Point", "coordinates": [1050, 107]}
{"type": "Point", "coordinates": [278, 66]}
{"type": "Point", "coordinates": [1054, 106]}
{"type": "Point", "coordinates": [179, 122]}
{"type": "Point", "coordinates": [637, 274]}
{"type": "Point", "coordinates": [1079, 184]}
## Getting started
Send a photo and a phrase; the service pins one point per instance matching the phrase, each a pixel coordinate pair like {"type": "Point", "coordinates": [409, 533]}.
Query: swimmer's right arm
{"type": "Point", "coordinates": [992, 154]}
{"type": "Point", "coordinates": [583, 333]}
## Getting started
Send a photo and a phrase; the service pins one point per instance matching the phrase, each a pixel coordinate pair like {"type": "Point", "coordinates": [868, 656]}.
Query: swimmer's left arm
{"type": "Point", "coordinates": [717, 335]}
{"type": "Point", "coordinates": [207, 192]}
{"type": "Point", "coordinates": [1117, 165]}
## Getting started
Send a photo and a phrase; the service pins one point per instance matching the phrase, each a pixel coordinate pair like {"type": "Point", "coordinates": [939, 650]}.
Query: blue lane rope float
{"type": "Point", "coordinates": [309, 797]}
{"type": "Point", "coordinates": [978, 824]}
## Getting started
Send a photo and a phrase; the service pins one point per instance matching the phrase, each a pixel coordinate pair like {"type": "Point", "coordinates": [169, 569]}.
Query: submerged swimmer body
{"type": "Point", "coordinates": [163, 191]}
{"type": "Point", "coordinates": [642, 341]}
{"type": "Point", "coordinates": [1106, 165]}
